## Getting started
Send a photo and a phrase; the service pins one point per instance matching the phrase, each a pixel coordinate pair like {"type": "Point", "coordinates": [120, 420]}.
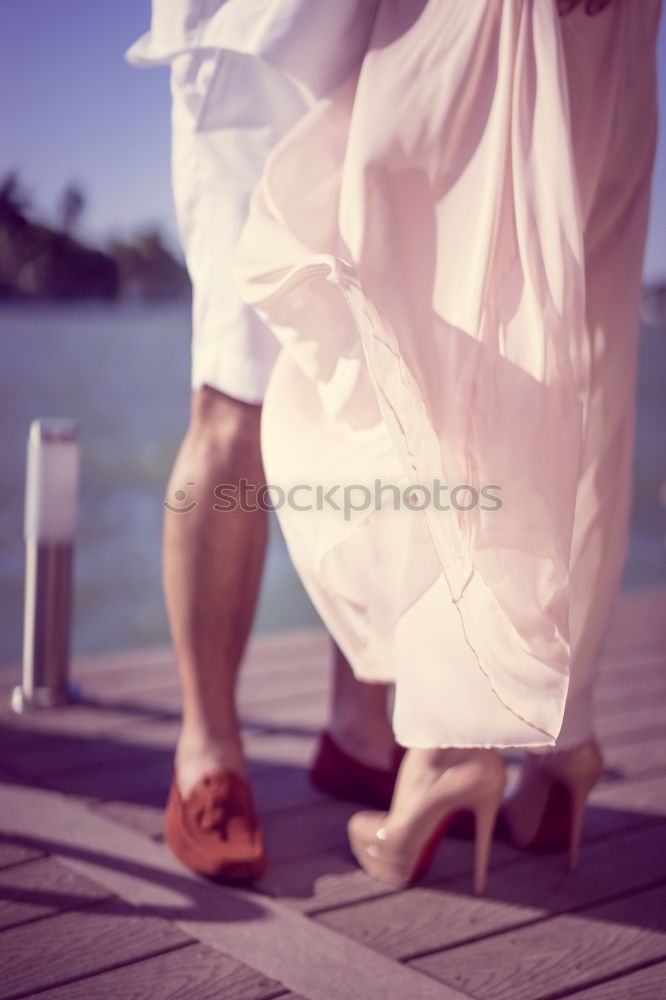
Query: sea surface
{"type": "Point", "coordinates": [123, 373]}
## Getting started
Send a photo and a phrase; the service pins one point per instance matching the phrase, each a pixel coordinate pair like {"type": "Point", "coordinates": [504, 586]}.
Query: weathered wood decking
{"type": "Point", "coordinates": [93, 906]}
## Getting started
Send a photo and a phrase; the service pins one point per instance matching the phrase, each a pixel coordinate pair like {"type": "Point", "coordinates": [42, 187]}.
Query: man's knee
{"type": "Point", "coordinates": [217, 419]}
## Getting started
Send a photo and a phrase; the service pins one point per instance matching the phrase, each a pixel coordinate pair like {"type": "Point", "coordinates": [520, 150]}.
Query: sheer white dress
{"type": "Point", "coordinates": [448, 246]}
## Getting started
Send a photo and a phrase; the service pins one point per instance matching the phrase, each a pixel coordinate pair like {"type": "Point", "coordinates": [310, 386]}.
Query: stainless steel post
{"type": "Point", "coordinates": [50, 517]}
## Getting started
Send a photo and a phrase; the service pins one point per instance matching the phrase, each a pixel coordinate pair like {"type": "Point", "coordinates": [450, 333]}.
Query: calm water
{"type": "Point", "coordinates": [123, 373]}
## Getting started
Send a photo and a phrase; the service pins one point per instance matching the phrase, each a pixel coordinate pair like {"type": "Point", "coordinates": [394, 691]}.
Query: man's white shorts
{"type": "Point", "coordinates": [229, 110]}
{"type": "Point", "coordinates": [242, 73]}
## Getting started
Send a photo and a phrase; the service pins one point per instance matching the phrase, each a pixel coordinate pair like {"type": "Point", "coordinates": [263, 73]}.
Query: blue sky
{"type": "Point", "coordinates": [73, 110]}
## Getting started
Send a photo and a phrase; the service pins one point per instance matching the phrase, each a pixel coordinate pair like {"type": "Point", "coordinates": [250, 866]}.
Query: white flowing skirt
{"type": "Point", "coordinates": [449, 248]}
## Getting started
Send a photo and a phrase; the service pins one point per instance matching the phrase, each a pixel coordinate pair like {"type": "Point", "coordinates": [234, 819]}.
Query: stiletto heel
{"type": "Point", "coordinates": [578, 802]}
{"type": "Point", "coordinates": [399, 850]}
{"type": "Point", "coordinates": [580, 774]}
{"type": "Point", "coordinates": [485, 815]}
{"type": "Point", "coordinates": [546, 809]}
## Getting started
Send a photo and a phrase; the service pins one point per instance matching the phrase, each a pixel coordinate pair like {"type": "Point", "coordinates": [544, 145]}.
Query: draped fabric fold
{"type": "Point", "coordinates": [313, 43]}
{"type": "Point", "coordinates": [448, 247]}
{"type": "Point", "coordinates": [417, 244]}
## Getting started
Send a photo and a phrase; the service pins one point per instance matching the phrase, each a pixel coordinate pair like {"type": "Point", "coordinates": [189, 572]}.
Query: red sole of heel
{"type": "Point", "coordinates": [554, 832]}
{"type": "Point", "coordinates": [430, 847]}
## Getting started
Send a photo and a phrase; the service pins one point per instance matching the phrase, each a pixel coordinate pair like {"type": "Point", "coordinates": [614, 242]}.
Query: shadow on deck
{"type": "Point", "coordinates": [93, 906]}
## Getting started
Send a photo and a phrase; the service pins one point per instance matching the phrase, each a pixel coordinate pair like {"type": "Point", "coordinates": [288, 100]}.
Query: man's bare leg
{"type": "Point", "coordinates": [359, 720]}
{"type": "Point", "coordinates": [212, 570]}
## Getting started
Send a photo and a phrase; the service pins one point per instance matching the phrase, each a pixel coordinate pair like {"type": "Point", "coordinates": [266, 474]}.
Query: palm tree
{"type": "Point", "coordinates": [14, 200]}
{"type": "Point", "coordinates": [70, 208]}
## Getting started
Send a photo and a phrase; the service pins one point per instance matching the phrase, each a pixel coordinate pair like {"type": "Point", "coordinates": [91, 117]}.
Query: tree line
{"type": "Point", "coordinates": [42, 262]}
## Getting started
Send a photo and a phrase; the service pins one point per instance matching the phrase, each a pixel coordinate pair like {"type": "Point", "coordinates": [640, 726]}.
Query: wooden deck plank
{"type": "Point", "coordinates": [137, 659]}
{"type": "Point", "coordinates": [637, 630]}
{"type": "Point", "coordinates": [298, 832]}
{"type": "Point", "coordinates": [135, 795]}
{"type": "Point", "coordinates": [145, 769]}
{"type": "Point", "coordinates": [113, 707]}
{"type": "Point", "coordinates": [275, 789]}
{"type": "Point", "coordinates": [645, 671]}
{"type": "Point", "coordinates": [71, 945]}
{"type": "Point", "coordinates": [109, 780]}
{"type": "Point", "coordinates": [635, 639]}
{"type": "Point", "coordinates": [285, 734]}
{"type": "Point", "coordinates": [644, 984]}
{"type": "Point", "coordinates": [318, 962]}
{"type": "Point", "coordinates": [194, 972]}
{"type": "Point", "coordinates": [630, 664]}
{"type": "Point", "coordinates": [16, 854]}
{"type": "Point", "coordinates": [85, 720]}
{"type": "Point", "coordinates": [165, 699]}
{"type": "Point", "coordinates": [299, 646]}
{"type": "Point", "coordinates": [53, 754]}
{"type": "Point", "coordinates": [42, 888]}
{"type": "Point", "coordinates": [647, 646]}
{"type": "Point", "coordinates": [642, 693]}
{"type": "Point", "coordinates": [146, 672]}
{"type": "Point", "coordinates": [645, 796]}
{"type": "Point", "coordinates": [557, 955]}
{"type": "Point", "coordinates": [113, 778]}
{"type": "Point", "coordinates": [295, 834]}
{"type": "Point", "coordinates": [111, 714]}
{"type": "Point", "coordinates": [429, 919]}
{"type": "Point", "coordinates": [332, 878]}
{"type": "Point", "coordinates": [114, 755]}
{"type": "Point", "coordinates": [633, 724]}
{"type": "Point", "coordinates": [634, 761]}
{"type": "Point", "coordinates": [638, 614]}
{"type": "Point", "coordinates": [305, 711]}
{"type": "Point", "coordinates": [143, 812]}
{"type": "Point", "coordinates": [89, 767]}
{"type": "Point", "coordinates": [296, 676]}
{"type": "Point", "coordinates": [601, 822]}
{"type": "Point", "coordinates": [280, 788]}
{"type": "Point", "coordinates": [50, 752]}
{"type": "Point", "coordinates": [270, 662]}
{"type": "Point", "coordinates": [102, 716]}
{"type": "Point", "coordinates": [89, 738]}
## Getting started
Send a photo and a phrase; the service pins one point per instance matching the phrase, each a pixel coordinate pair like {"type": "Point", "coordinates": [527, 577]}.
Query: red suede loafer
{"type": "Point", "coordinates": [336, 773]}
{"type": "Point", "coordinates": [214, 831]}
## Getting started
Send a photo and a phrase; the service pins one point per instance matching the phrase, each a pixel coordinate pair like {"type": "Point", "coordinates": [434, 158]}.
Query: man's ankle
{"type": "Point", "coordinates": [372, 744]}
{"type": "Point", "coordinates": [197, 756]}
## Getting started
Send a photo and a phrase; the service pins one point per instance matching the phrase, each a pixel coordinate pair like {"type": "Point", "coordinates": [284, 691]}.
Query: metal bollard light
{"type": "Point", "coordinates": [50, 517]}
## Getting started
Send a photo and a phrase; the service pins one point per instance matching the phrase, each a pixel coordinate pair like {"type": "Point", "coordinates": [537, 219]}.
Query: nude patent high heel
{"type": "Point", "coordinates": [399, 851]}
{"type": "Point", "coordinates": [546, 808]}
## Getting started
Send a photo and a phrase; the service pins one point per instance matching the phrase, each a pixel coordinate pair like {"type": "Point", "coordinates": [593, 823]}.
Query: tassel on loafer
{"type": "Point", "coordinates": [214, 831]}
